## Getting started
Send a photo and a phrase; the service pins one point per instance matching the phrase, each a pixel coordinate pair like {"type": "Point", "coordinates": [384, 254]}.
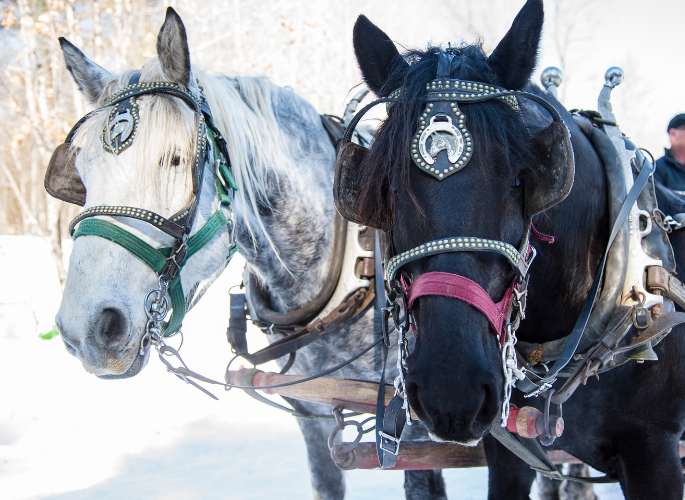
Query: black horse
{"type": "Point", "coordinates": [629, 423]}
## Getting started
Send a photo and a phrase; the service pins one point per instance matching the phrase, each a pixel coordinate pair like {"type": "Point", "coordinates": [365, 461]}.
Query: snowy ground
{"type": "Point", "coordinates": [65, 434]}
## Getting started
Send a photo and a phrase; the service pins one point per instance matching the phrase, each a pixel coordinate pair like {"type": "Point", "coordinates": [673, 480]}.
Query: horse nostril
{"type": "Point", "coordinates": [112, 328]}
{"type": "Point", "coordinates": [488, 410]}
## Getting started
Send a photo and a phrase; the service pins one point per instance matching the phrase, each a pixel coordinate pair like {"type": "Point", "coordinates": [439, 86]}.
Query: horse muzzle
{"type": "Point", "coordinates": [109, 349]}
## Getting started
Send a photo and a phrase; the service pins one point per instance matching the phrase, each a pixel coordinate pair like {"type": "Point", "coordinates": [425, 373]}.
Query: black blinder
{"type": "Point", "coordinates": [62, 180]}
{"type": "Point", "coordinates": [346, 190]}
{"type": "Point", "coordinates": [553, 179]}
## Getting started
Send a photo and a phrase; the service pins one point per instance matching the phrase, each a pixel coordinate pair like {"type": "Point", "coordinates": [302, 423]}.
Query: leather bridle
{"type": "Point", "coordinates": [443, 122]}
{"type": "Point", "coordinates": [166, 262]}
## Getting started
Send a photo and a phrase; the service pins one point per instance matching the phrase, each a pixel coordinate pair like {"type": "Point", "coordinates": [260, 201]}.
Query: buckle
{"type": "Point", "coordinates": [387, 440]}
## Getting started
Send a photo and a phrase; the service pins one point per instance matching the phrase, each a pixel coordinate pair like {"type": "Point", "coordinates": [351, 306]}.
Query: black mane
{"type": "Point", "coordinates": [497, 129]}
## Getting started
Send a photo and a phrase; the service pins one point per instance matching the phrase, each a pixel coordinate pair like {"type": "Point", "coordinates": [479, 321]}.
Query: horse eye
{"type": "Point", "coordinates": [175, 161]}
{"type": "Point", "coordinates": [517, 182]}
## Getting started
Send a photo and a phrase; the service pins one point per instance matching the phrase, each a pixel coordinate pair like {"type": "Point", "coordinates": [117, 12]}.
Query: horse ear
{"type": "Point", "coordinates": [376, 54]}
{"type": "Point", "coordinates": [515, 57]}
{"type": "Point", "coordinates": [172, 49]}
{"type": "Point", "coordinates": [89, 77]}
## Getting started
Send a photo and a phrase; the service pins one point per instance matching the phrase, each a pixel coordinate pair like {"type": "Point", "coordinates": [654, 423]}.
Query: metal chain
{"type": "Point", "coordinates": [156, 308]}
{"type": "Point", "coordinates": [402, 356]}
{"type": "Point", "coordinates": [341, 423]}
{"type": "Point", "coordinates": [343, 453]}
{"type": "Point", "coordinates": [512, 373]}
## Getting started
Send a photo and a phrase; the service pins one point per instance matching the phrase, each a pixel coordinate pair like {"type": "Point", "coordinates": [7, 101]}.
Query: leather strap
{"type": "Point", "coordinates": [605, 351]}
{"type": "Point", "coordinates": [163, 224]}
{"type": "Point", "coordinates": [528, 450]}
{"type": "Point", "coordinates": [135, 78]}
{"type": "Point", "coordinates": [444, 65]}
{"type": "Point", "coordinates": [388, 440]}
{"type": "Point", "coordinates": [577, 333]}
{"type": "Point", "coordinates": [390, 421]}
{"type": "Point", "coordinates": [304, 336]}
{"type": "Point", "coordinates": [461, 288]}
{"type": "Point", "coordinates": [236, 333]}
{"type": "Point", "coordinates": [541, 236]}
{"type": "Point", "coordinates": [518, 261]}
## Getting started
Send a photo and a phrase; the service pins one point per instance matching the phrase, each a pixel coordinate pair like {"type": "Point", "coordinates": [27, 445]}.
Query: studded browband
{"type": "Point", "coordinates": [517, 261]}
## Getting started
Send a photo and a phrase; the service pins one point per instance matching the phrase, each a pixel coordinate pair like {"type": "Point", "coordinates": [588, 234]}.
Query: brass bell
{"type": "Point", "coordinates": [642, 353]}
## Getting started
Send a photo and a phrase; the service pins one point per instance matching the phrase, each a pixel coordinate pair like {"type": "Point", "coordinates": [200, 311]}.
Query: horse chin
{"type": "Point", "coordinates": [136, 367]}
{"type": "Point", "coordinates": [470, 443]}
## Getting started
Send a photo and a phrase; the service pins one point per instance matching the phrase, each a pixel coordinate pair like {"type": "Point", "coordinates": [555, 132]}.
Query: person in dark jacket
{"type": "Point", "coordinates": [670, 168]}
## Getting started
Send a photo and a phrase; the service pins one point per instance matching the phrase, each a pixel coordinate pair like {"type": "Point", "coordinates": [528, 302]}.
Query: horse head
{"type": "Point", "coordinates": [134, 162]}
{"type": "Point", "coordinates": [459, 161]}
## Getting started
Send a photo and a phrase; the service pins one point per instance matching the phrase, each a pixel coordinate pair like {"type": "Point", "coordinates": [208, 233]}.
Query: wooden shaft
{"type": "Point", "coordinates": [357, 395]}
{"type": "Point", "coordinates": [354, 395]}
{"type": "Point", "coordinates": [423, 455]}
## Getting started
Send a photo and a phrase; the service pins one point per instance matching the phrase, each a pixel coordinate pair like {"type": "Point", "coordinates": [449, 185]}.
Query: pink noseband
{"type": "Point", "coordinates": [458, 287]}
{"type": "Point", "coordinates": [466, 290]}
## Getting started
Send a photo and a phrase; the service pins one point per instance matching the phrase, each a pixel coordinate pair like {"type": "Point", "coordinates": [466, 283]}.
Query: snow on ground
{"type": "Point", "coordinates": [64, 434]}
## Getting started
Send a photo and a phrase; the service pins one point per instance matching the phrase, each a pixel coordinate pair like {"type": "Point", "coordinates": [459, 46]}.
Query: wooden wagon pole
{"type": "Point", "coordinates": [427, 455]}
{"type": "Point", "coordinates": [354, 395]}
{"type": "Point", "coordinates": [360, 396]}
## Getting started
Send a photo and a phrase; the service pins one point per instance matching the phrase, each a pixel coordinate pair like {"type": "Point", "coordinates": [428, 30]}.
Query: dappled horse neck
{"type": "Point", "coordinates": [283, 162]}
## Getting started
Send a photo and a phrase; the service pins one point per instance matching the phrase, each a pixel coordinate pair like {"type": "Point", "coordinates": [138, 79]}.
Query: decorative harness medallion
{"type": "Point", "coordinates": [452, 141]}
{"type": "Point", "coordinates": [121, 127]}
{"type": "Point", "coordinates": [442, 124]}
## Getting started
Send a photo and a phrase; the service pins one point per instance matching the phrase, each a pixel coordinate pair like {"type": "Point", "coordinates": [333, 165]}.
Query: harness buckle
{"type": "Point", "coordinates": [389, 443]}
{"type": "Point", "coordinates": [175, 260]}
{"type": "Point", "coordinates": [642, 318]}
{"type": "Point", "coordinates": [520, 298]}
